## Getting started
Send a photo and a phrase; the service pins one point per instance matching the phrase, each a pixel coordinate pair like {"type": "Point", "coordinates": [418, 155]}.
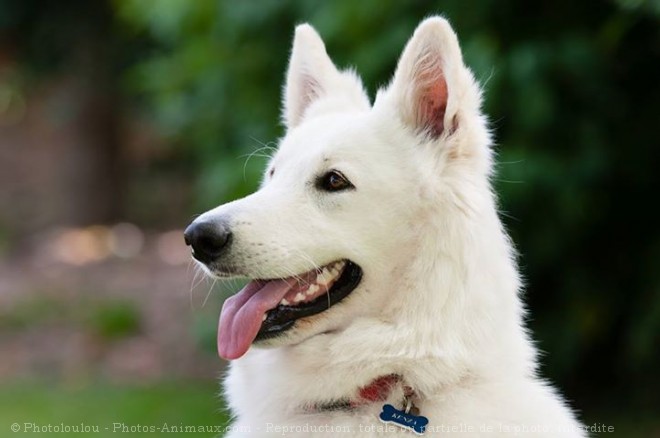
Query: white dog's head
{"type": "Point", "coordinates": [347, 198]}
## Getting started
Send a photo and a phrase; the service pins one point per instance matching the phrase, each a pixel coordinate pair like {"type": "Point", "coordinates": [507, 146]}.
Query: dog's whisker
{"type": "Point", "coordinates": [208, 294]}
{"type": "Point", "coordinates": [192, 265]}
{"type": "Point", "coordinates": [499, 163]}
{"type": "Point", "coordinates": [307, 259]}
{"type": "Point", "coordinates": [227, 288]}
{"type": "Point", "coordinates": [295, 276]}
{"type": "Point", "coordinates": [327, 293]}
{"type": "Point", "coordinates": [505, 214]}
{"type": "Point", "coordinates": [194, 279]}
{"type": "Point", "coordinates": [193, 284]}
{"type": "Point", "coordinates": [254, 154]}
{"type": "Point", "coordinates": [257, 153]}
{"type": "Point", "coordinates": [266, 146]}
{"type": "Point", "coordinates": [196, 282]}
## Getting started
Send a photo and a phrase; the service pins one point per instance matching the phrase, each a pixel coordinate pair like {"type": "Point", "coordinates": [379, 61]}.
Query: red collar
{"type": "Point", "coordinates": [378, 390]}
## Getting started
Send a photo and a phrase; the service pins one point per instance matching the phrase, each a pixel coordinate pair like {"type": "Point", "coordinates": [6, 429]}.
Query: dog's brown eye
{"type": "Point", "coordinates": [334, 181]}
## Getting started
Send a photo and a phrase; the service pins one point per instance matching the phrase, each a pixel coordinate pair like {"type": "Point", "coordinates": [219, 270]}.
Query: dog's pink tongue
{"type": "Point", "coordinates": [242, 314]}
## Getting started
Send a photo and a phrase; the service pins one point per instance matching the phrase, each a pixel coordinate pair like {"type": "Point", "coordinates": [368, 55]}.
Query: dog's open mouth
{"type": "Point", "coordinates": [266, 308]}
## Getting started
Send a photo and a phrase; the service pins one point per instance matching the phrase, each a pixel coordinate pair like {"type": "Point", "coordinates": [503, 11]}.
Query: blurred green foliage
{"type": "Point", "coordinates": [110, 319]}
{"type": "Point", "coordinates": [571, 88]}
{"type": "Point", "coordinates": [115, 320]}
{"type": "Point", "coordinates": [205, 328]}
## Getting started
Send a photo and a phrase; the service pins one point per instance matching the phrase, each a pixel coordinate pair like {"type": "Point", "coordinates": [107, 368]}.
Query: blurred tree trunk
{"type": "Point", "coordinates": [95, 179]}
{"type": "Point", "coordinates": [60, 128]}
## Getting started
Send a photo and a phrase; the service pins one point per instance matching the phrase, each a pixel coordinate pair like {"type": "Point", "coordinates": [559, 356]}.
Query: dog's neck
{"type": "Point", "coordinates": [378, 390]}
{"type": "Point", "coordinates": [470, 308]}
{"type": "Point", "coordinates": [456, 309]}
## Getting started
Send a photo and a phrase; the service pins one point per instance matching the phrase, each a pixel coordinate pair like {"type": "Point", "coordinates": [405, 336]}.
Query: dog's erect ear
{"type": "Point", "coordinates": [425, 76]}
{"type": "Point", "coordinates": [308, 74]}
{"type": "Point", "coordinates": [313, 76]}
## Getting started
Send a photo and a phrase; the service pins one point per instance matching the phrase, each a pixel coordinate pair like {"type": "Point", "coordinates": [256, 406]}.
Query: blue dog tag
{"type": "Point", "coordinates": [414, 423]}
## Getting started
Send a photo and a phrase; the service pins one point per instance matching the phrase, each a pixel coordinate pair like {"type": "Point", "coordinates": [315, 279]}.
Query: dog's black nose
{"type": "Point", "coordinates": [208, 240]}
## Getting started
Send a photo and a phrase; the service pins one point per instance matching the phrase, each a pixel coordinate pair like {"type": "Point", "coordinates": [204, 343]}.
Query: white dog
{"type": "Point", "coordinates": [384, 289]}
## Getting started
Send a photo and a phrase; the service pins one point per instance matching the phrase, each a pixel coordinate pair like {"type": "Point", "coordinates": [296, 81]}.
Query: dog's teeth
{"type": "Point", "coordinates": [284, 302]}
{"type": "Point", "coordinates": [299, 297]}
{"type": "Point", "coordinates": [264, 318]}
{"type": "Point", "coordinates": [312, 289]}
{"type": "Point", "coordinates": [324, 277]}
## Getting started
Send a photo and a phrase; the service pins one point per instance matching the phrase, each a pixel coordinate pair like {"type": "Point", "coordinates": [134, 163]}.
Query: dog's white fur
{"type": "Point", "coordinates": [439, 301]}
